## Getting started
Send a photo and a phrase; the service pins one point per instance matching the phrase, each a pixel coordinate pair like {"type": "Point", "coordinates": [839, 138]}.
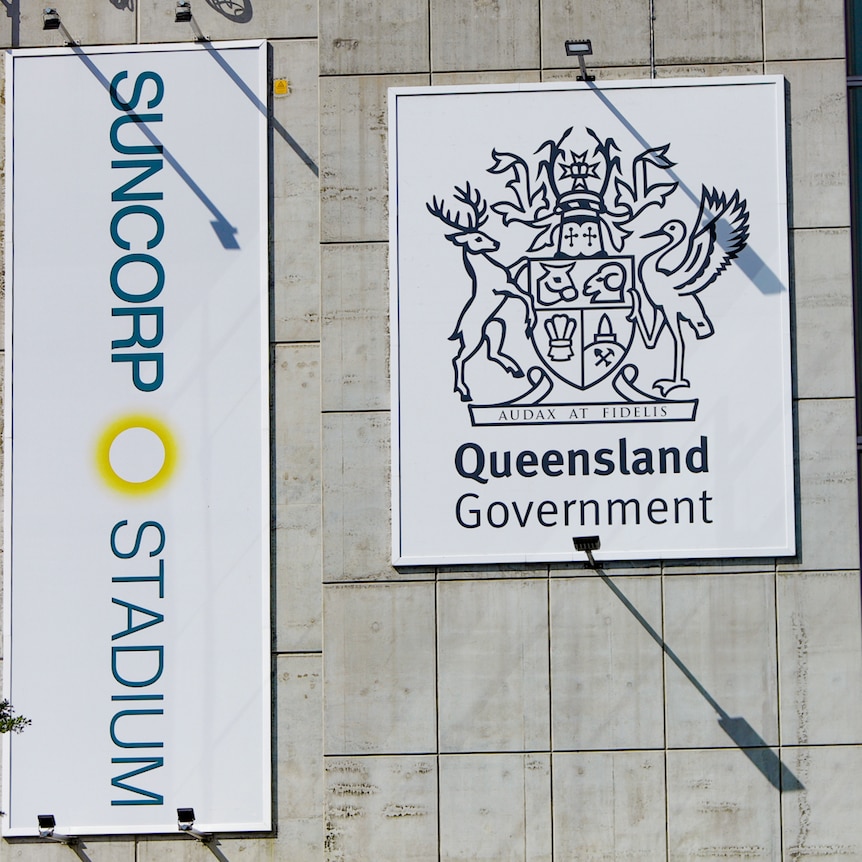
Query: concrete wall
{"type": "Point", "coordinates": [514, 713]}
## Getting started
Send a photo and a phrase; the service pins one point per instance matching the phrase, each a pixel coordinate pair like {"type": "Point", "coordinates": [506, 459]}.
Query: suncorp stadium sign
{"type": "Point", "coordinates": [590, 321]}
{"type": "Point", "coordinates": [136, 432]}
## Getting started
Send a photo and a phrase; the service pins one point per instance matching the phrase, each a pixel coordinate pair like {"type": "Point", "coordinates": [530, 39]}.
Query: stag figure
{"type": "Point", "coordinates": [492, 285]}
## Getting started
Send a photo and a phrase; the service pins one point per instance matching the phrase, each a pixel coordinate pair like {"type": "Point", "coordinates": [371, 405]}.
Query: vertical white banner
{"type": "Point", "coordinates": [137, 438]}
{"type": "Point", "coordinates": [590, 321]}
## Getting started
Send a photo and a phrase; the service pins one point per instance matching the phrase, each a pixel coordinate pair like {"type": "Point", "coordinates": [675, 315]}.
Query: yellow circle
{"type": "Point", "coordinates": [113, 431]}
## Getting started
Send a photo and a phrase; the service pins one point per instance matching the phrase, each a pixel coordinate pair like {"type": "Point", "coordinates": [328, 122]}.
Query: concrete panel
{"type": "Point", "coordinates": [612, 73]}
{"type": "Point", "coordinates": [296, 408]}
{"type": "Point", "coordinates": [354, 193]}
{"type": "Point", "coordinates": [610, 806]}
{"type": "Point", "coordinates": [297, 458]}
{"type": "Point", "coordinates": [355, 332]}
{"type": "Point", "coordinates": [579, 569]}
{"type": "Point", "coordinates": [497, 572]}
{"type": "Point", "coordinates": [469, 35]}
{"type": "Point", "coordinates": [88, 22]}
{"type": "Point", "coordinates": [828, 501]}
{"type": "Point", "coordinates": [721, 806]}
{"type": "Point", "coordinates": [379, 669]}
{"type": "Point", "coordinates": [299, 737]}
{"type": "Point", "coordinates": [298, 587]}
{"type": "Point", "coordinates": [228, 19]}
{"type": "Point", "coordinates": [492, 646]}
{"type": "Point", "coordinates": [381, 809]}
{"type": "Point", "coordinates": [296, 193]}
{"type": "Point", "coordinates": [820, 658]}
{"type": "Point", "coordinates": [722, 629]}
{"type": "Point", "coordinates": [528, 76]}
{"type": "Point", "coordinates": [817, 115]}
{"type": "Point", "coordinates": [730, 565]}
{"type": "Point", "coordinates": [93, 849]}
{"type": "Point", "coordinates": [373, 37]}
{"type": "Point", "coordinates": [356, 513]}
{"type": "Point", "coordinates": [803, 29]}
{"type": "Point", "coordinates": [495, 808]}
{"type": "Point", "coordinates": [725, 31]}
{"type": "Point", "coordinates": [823, 304]}
{"type": "Point", "coordinates": [613, 45]}
{"type": "Point", "coordinates": [606, 669]}
{"type": "Point", "coordinates": [10, 26]}
{"type": "Point", "coordinates": [821, 822]}
{"type": "Point", "coordinates": [709, 70]}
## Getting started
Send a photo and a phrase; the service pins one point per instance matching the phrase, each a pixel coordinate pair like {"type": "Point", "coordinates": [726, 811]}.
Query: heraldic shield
{"type": "Point", "coordinates": [583, 306]}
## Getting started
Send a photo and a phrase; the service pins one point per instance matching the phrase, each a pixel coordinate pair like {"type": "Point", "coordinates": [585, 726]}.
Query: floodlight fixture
{"type": "Point", "coordinates": [47, 824]}
{"type": "Point", "coordinates": [183, 11]}
{"type": "Point", "coordinates": [580, 48]}
{"type": "Point", "coordinates": [186, 823]}
{"type": "Point", "coordinates": [50, 18]}
{"type": "Point", "coordinates": [588, 544]}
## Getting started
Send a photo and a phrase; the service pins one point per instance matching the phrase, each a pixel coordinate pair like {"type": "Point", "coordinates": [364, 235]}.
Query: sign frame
{"type": "Point", "coordinates": [580, 130]}
{"type": "Point", "coordinates": [235, 700]}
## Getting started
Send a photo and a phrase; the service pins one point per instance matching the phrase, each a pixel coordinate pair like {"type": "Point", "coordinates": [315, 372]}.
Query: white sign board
{"type": "Point", "coordinates": [136, 438]}
{"type": "Point", "coordinates": [590, 321]}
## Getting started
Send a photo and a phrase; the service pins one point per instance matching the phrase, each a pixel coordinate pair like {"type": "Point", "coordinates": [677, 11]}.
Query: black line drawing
{"type": "Point", "coordinates": [589, 295]}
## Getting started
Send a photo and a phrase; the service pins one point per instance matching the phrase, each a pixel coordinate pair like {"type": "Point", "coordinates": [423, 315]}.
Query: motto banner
{"type": "Point", "coordinates": [590, 321]}
{"type": "Point", "coordinates": [136, 438]}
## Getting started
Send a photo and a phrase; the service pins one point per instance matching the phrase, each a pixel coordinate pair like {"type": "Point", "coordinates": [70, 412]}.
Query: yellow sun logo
{"type": "Point", "coordinates": [136, 454]}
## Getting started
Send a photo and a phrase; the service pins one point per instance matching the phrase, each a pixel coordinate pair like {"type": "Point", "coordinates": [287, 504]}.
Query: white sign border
{"type": "Point", "coordinates": [266, 730]}
{"type": "Point", "coordinates": [789, 548]}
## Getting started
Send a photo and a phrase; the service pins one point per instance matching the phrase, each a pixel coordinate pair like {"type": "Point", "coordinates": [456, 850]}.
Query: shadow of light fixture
{"type": "Point", "coordinates": [588, 544]}
{"type": "Point", "coordinates": [47, 824]}
{"type": "Point", "coordinates": [183, 11]}
{"type": "Point", "coordinates": [186, 823]}
{"type": "Point", "coordinates": [50, 18]}
{"type": "Point", "coordinates": [580, 48]}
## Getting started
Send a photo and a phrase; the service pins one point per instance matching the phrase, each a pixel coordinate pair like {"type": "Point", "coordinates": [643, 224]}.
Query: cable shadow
{"type": "Point", "coordinates": [224, 230]}
{"type": "Point", "coordinates": [283, 133]}
{"type": "Point", "coordinates": [742, 734]}
{"type": "Point", "coordinates": [749, 261]}
{"type": "Point", "coordinates": [13, 11]}
{"type": "Point", "coordinates": [238, 11]}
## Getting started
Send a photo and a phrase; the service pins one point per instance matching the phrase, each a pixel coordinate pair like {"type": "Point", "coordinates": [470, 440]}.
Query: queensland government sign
{"type": "Point", "coordinates": [590, 321]}
{"type": "Point", "coordinates": [136, 438]}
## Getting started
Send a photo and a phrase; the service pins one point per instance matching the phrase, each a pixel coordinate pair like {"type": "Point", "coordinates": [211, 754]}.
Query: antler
{"type": "Point", "coordinates": [478, 206]}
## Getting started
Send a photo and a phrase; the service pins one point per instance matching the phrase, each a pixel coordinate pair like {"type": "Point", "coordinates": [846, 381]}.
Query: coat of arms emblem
{"type": "Point", "coordinates": [587, 296]}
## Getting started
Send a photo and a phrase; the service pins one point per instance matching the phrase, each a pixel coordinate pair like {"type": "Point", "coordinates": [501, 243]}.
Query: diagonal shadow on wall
{"type": "Point", "coordinates": [741, 733]}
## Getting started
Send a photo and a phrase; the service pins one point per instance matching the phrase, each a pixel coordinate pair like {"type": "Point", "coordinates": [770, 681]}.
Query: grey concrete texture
{"type": "Point", "coordinates": [819, 658]}
{"type": "Point", "coordinates": [614, 805]}
{"type": "Point", "coordinates": [354, 192]}
{"type": "Point", "coordinates": [354, 327]}
{"type": "Point", "coordinates": [722, 630]}
{"type": "Point", "coordinates": [606, 668]}
{"type": "Point", "coordinates": [721, 806]}
{"type": "Point", "coordinates": [296, 192]}
{"type": "Point", "coordinates": [817, 134]}
{"type": "Point", "coordinates": [227, 19]}
{"type": "Point", "coordinates": [353, 40]}
{"type": "Point", "coordinates": [381, 808]}
{"type": "Point", "coordinates": [492, 666]}
{"type": "Point", "coordinates": [613, 44]}
{"type": "Point", "coordinates": [827, 502]}
{"type": "Point", "coordinates": [720, 32]}
{"type": "Point", "coordinates": [495, 808]}
{"type": "Point", "coordinates": [379, 669]}
{"type": "Point", "coordinates": [823, 310]}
